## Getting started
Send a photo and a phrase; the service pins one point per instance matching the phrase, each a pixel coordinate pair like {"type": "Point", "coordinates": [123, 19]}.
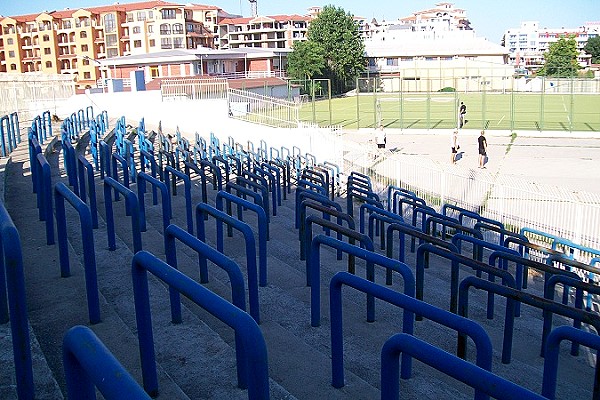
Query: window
{"type": "Point", "coordinates": [165, 43]}
{"type": "Point", "coordinates": [150, 28]}
{"type": "Point", "coordinates": [137, 43]}
{"type": "Point", "coordinates": [112, 53]}
{"type": "Point", "coordinates": [151, 43]}
{"type": "Point", "coordinates": [154, 71]}
{"type": "Point", "coordinates": [177, 29]}
{"type": "Point", "coordinates": [11, 53]}
{"type": "Point", "coordinates": [136, 29]}
{"type": "Point", "coordinates": [178, 43]}
{"type": "Point", "coordinates": [84, 47]}
{"type": "Point", "coordinates": [87, 75]}
{"type": "Point", "coordinates": [47, 50]}
{"type": "Point", "coordinates": [13, 67]}
{"type": "Point", "coordinates": [86, 61]}
{"type": "Point", "coordinates": [48, 64]}
{"type": "Point", "coordinates": [9, 41]}
{"type": "Point", "coordinates": [168, 14]}
{"type": "Point", "coordinates": [46, 38]}
{"type": "Point", "coordinates": [111, 40]}
{"type": "Point", "coordinates": [66, 24]}
{"type": "Point", "coordinates": [110, 24]}
{"type": "Point", "coordinates": [165, 29]}
{"type": "Point", "coordinates": [150, 14]}
{"type": "Point", "coordinates": [141, 15]}
{"type": "Point", "coordinates": [391, 62]}
{"type": "Point", "coordinates": [83, 34]}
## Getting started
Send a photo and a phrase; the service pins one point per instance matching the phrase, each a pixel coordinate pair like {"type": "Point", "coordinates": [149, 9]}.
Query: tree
{"type": "Point", "coordinates": [561, 59]}
{"type": "Point", "coordinates": [306, 61]}
{"type": "Point", "coordinates": [337, 34]}
{"type": "Point", "coordinates": [592, 47]}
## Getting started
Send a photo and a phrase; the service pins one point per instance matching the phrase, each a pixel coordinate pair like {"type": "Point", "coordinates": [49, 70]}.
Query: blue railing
{"type": "Point", "coordinates": [511, 294]}
{"type": "Point", "coordinates": [410, 306]}
{"type": "Point", "coordinates": [131, 204]}
{"type": "Point", "coordinates": [10, 134]}
{"type": "Point", "coordinates": [187, 193]}
{"type": "Point", "coordinates": [478, 378]}
{"type": "Point", "coordinates": [263, 233]}
{"type": "Point", "coordinates": [62, 193]}
{"type": "Point", "coordinates": [252, 360]}
{"type": "Point", "coordinates": [143, 179]}
{"type": "Point", "coordinates": [372, 259]}
{"type": "Point", "coordinates": [551, 357]}
{"type": "Point", "coordinates": [203, 210]}
{"type": "Point", "coordinates": [85, 168]}
{"type": "Point", "coordinates": [44, 192]}
{"type": "Point", "coordinates": [11, 267]}
{"type": "Point", "coordinates": [89, 365]}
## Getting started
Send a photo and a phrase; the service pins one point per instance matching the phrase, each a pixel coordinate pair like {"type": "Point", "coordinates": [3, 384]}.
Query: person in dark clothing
{"type": "Point", "coordinates": [462, 114]}
{"type": "Point", "coordinates": [482, 149]}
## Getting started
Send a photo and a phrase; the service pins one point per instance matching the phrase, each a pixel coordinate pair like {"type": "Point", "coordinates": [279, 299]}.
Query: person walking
{"type": "Point", "coordinates": [454, 145]}
{"type": "Point", "coordinates": [462, 115]}
{"type": "Point", "coordinates": [482, 149]}
{"type": "Point", "coordinates": [380, 137]}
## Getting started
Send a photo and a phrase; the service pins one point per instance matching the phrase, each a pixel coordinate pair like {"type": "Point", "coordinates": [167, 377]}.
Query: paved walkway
{"type": "Point", "coordinates": [572, 163]}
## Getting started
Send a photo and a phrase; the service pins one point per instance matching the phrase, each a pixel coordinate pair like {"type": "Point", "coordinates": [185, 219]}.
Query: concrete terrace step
{"type": "Point", "coordinates": [196, 359]}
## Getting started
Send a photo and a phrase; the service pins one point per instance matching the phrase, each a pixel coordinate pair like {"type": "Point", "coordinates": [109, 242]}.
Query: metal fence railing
{"type": "Point", "coordinates": [30, 95]}
{"type": "Point", "coordinates": [194, 89]}
{"type": "Point", "coordinates": [263, 110]}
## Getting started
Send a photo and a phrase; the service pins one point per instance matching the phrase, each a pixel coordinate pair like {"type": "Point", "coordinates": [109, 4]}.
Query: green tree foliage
{"type": "Point", "coordinates": [561, 59]}
{"type": "Point", "coordinates": [306, 61]}
{"type": "Point", "coordinates": [337, 34]}
{"type": "Point", "coordinates": [592, 47]}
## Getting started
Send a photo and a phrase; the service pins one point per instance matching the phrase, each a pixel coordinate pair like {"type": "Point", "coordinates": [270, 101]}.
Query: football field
{"type": "Point", "coordinates": [485, 110]}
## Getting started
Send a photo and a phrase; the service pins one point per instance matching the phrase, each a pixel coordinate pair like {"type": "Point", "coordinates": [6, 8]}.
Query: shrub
{"type": "Point", "coordinates": [447, 89]}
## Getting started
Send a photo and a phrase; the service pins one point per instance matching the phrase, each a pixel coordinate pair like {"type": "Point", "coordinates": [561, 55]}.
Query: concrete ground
{"type": "Point", "coordinates": [569, 162]}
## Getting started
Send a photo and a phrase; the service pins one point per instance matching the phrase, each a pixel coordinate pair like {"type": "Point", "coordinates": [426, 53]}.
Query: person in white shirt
{"type": "Point", "coordinates": [380, 138]}
{"type": "Point", "coordinates": [454, 145]}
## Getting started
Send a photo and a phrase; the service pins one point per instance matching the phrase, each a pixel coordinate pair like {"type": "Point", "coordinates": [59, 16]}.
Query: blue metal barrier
{"type": "Point", "coordinates": [202, 210]}
{"type": "Point", "coordinates": [70, 162]}
{"type": "Point", "coordinates": [372, 259]}
{"type": "Point", "coordinates": [478, 246]}
{"type": "Point", "coordinates": [44, 192]}
{"type": "Point", "coordinates": [105, 155]}
{"type": "Point", "coordinates": [34, 150]}
{"type": "Point", "coordinates": [424, 211]}
{"type": "Point", "coordinates": [483, 381]}
{"type": "Point", "coordinates": [116, 160]}
{"type": "Point", "coordinates": [263, 233]}
{"type": "Point", "coordinates": [551, 357]}
{"type": "Point", "coordinates": [327, 214]}
{"type": "Point", "coordinates": [304, 184]}
{"type": "Point", "coordinates": [85, 167]}
{"type": "Point", "coordinates": [452, 207]}
{"type": "Point", "coordinates": [456, 260]}
{"type": "Point", "coordinates": [376, 213]}
{"type": "Point", "coordinates": [354, 192]}
{"type": "Point", "coordinates": [250, 184]}
{"type": "Point", "coordinates": [11, 267]}
{"type": "Point", "coordinates": [144, 178]}
{"type": "Point", "coordinates": [217, 180]}
{"type": "Point", "coordinates": [89, 364]}
{"type": "Point", "coordinates": [189, 167]}
{"type": "Point", "coordinates": [131, 203]}
{"type": "Point", "coordinates": [62, 193]}
{"type": "Point", "coordinates": [252, 359]}
{"type": "Point", "coordinates": [234, 273]}
{"type": "Point", "coordinates": [502, 232]}
{"type": "Point", "coordinates": [276, 172]}
{"type": "Point", "coordinates": [410, 306]}
{"type": "Point", "coordinates": [222, 163]}
{"type": "Point", "coordinates": [511, 294]}
{"type": "Point", "coordinates": [94, 143]}
{"type": "Point", "coordinates": [187, 193]}
{"type": "Point", "coordinates": [393, 192]}
{"type": "Point", "coordinates": [580, 286]}
{"type": "Point", "coordinates": [271, 183]}
{"type": "Point", "coordinates": [433, 222]}
{"type": "Point", "coordinates": [303, 193]}
{"type": "Point", "coordinates": [147, 157]}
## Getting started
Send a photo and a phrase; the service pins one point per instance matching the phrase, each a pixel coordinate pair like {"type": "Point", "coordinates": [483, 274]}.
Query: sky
{"type": "Point", "coordinates": [489, 18]}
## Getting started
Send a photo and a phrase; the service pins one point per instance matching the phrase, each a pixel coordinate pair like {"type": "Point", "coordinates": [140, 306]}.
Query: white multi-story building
{"type": "Point", "coordinates": [272, 32]}
{"type": "Point", "coordinates": [436, 46]}
{"type": "Point", "coordinates": [526, 45]}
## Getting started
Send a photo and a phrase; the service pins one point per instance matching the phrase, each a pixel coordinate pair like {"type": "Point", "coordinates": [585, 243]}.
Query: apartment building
{"type": "Point", "coordinates": [272, 32]}
{"type": "Point", "coordinates": [526, 45]}
{"type": "Point", "coordinates": [74, 41]}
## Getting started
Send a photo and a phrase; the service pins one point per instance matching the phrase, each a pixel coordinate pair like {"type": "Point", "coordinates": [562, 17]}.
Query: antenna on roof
{"type": "Point", "coordinates": [253, 7]}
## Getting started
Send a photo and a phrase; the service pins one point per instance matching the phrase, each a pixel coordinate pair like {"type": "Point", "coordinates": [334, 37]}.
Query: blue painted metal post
{"type": "Point", "coordinates": [62, 193]}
